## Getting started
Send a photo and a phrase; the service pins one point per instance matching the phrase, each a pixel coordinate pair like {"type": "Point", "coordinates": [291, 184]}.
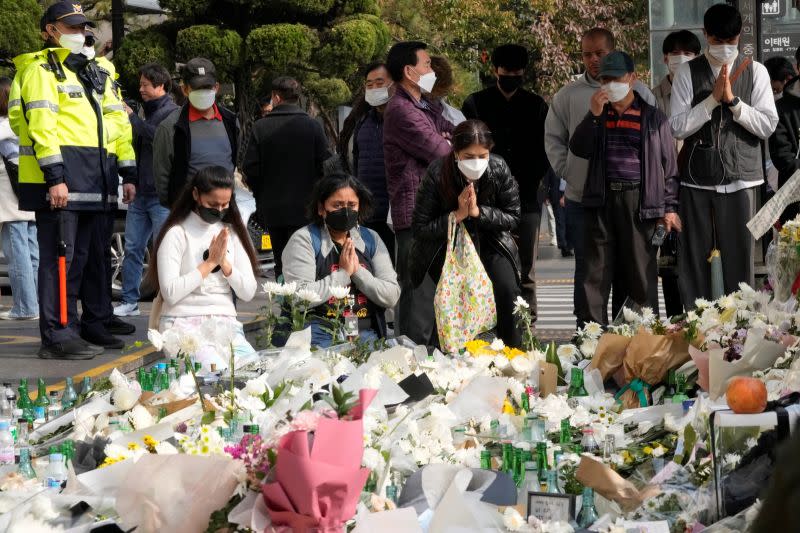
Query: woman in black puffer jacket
{"type": "Point", "coordinates": [479, 188]}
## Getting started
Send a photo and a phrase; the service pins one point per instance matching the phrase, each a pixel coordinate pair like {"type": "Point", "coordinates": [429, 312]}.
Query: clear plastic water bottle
{"type": "Point", "coordinates": [56, 471]}
{"type": "Point", "coordinates": [6, 444]}
{"type": "Point", "coordinates": [54, 409]}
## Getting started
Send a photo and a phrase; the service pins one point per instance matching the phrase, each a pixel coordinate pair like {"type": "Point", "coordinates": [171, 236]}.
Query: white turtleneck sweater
{"type": "Point", "coordinates": [759, 118]}
{"type": "Point", "coordinates": [183, 289]}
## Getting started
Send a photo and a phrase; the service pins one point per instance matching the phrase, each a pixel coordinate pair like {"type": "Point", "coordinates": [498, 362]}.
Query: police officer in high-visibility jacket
{"type": "Point", "coordinates": [67, 113]}
{"type": "Point", "coordinates": [96, 299]}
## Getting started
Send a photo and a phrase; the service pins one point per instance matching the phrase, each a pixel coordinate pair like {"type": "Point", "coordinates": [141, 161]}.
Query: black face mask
{"type": "Point", "coordinates": [509, 84]}
{"type": "Point", "coordinates": [211, 215]}
{"type": "Point", "coordinates": [343, 219]}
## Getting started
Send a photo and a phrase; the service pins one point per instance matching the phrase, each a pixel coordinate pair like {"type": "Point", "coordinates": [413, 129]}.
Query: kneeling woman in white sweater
{"type": "Point", "coordinates": [204, 259]}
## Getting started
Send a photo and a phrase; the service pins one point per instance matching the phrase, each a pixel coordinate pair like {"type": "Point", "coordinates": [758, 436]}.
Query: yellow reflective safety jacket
{"type": "Point", "coordinates": [122, 150]}
{"type": "Point", "coordinates": [68, 129]}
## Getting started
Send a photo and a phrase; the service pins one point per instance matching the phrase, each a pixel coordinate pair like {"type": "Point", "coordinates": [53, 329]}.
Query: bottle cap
{"type": "Point", "coordinates": [588, 431]}
{"type": "Point", "coordinates": [54, 393]}
{"type": "Point", "coordinates": [56, 457]}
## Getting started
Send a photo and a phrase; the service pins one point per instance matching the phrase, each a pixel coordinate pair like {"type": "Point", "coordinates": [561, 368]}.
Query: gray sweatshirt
{"type": "Point", "coordinates": [567, 110]}
{"type": "Point", "coordinates": [300, 265]}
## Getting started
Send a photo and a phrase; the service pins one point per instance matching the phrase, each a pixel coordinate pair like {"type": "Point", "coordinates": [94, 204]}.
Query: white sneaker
{"type": "Point", "coordinates": [554, 242]}
{"type": "Point", "coordinates": [124, 309]}
{"type": "Point", "coordinates": [6, 315]}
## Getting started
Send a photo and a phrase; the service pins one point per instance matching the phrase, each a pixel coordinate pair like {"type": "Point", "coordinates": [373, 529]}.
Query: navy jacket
{"type": "Point", "coordinates": [659, 190]}
{"type": "Point", "coordinates": [368, 164]}
{"type": "Point", "coordinates": [143, 131]}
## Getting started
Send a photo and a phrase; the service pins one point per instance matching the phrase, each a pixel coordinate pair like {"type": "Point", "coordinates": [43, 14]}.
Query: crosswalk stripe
{"type": "Point", "coordinates": [555, 307]}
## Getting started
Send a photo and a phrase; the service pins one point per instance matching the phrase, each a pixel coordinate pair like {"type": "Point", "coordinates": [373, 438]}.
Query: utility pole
{"type": "Point", "coordinates": [117, 23]}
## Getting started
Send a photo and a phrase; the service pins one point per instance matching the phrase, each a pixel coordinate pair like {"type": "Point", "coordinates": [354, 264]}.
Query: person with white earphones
{"type": "Point", "coordinates": [723, 108]}
{"type": "Point", "coordinates": [477, 186]}
{"type": "Point", "coordinates": [630, 198]}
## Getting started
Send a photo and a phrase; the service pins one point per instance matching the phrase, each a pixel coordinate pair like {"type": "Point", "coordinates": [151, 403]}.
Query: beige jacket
{"type": "Point", "coordinates": [663, 94]}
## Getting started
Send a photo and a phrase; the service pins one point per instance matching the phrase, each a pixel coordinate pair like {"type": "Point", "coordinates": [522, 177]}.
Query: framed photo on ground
{"type": "Point", "coordinates": [549, 507]}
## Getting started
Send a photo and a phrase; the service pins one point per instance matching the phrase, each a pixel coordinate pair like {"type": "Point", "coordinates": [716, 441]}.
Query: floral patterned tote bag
{"type": "Point", "coordinates": [464, 301]}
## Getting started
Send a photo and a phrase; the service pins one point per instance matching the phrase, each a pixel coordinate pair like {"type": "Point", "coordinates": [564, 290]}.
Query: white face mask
{"type": "Point", "coordinates": [426, 81]}
{"type": "Point", "coordinates": [473, 169]}
{"type": "Point", "coordinates": [72, 42]}
{"type": "Point", "coordinates": [616, 90]}
{"type": "Point", "coordinates": [202, 99]}
{"type": "Point", "coordinates": [88, 51]}
{"type": "Point", "coordinates": [377, 97]}
{"type": "Point", "coordinates": [724, 53]}
{"type": "Point", "coordinates": [676, 61]}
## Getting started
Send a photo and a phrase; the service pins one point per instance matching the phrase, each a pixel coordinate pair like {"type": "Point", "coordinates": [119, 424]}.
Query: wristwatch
{"type": "Point", "coordinates": [734, 102]}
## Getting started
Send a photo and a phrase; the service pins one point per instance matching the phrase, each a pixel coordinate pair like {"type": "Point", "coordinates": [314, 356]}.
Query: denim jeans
{"type": "Point", "coordinates": [143, 221]}
{"type": "Point", "coordinates": [21, 250]}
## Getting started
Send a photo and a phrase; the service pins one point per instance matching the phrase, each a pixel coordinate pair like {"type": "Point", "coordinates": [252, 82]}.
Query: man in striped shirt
{"type": "Point", "coordinates": [630, 190]}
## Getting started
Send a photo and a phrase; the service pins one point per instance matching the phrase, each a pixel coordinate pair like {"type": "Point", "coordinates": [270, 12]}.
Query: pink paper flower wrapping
{"type": "Point", "coordinates": [318, 489]}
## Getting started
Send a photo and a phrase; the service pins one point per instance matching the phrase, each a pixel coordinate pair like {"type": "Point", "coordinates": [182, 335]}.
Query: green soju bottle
{"type": "Point", "coordinates": [588, 514]}
{"type": "Point", "coordinates": [576, 388]}
{"type": "Point", "coordinates": [41, 398]}
{"type": "Point", "coordinates": [69, 397]}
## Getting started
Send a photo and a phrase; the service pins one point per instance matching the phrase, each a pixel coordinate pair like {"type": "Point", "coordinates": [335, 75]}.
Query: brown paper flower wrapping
{"type": "Point", "coordinates": [169, 401]}
{"type": "Point", "coordinates": [611, 486]}
{"type": "Point", "coordinates": [610, 353]}
{"type": "Point", "coordinates": [649, 357]}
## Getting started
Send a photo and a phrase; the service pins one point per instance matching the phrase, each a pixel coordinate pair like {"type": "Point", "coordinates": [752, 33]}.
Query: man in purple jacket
{"type": "Point", "coordinates": [630, 197]}
{"type": "Point", "coordinates": [415, 134]}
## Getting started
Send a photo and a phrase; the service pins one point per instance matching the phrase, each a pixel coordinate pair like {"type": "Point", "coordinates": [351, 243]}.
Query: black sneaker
{"type": "Point", "coordinates": [105, 340]}
{"type": "Point", "coordinates": [115, 326]}
{"type": "Point", "coordinates": [73, 349]}
{"type": "Point", "coordinates": [566, 253]}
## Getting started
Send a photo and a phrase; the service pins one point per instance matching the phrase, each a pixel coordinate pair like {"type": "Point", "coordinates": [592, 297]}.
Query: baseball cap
{"type": "Point", "coordinates": [67, 12]}
{"type": "Point", "coordinates": [616, 64]}
{"type": "Point", "coordinates": [199, 73]}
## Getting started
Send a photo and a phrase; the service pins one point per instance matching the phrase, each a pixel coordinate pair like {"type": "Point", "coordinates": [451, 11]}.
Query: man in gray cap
{"type": "Point", "coordinates": [631, 193]}
{"type": "Point", "coordinates": [200, 134]}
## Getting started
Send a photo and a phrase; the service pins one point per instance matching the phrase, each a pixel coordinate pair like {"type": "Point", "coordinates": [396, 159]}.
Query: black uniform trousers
{"type": "Point", "coordinates": [85, 234]}
{"type": "Point", "coordinates": [618, 246]}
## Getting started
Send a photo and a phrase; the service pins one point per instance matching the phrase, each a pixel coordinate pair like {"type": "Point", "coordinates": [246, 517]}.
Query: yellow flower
{"type": "Point", "coordinates": [149, 441]}
{"type": "Point", "coordinates": [204, 429]}
{"type": "Point", "coordinates": [478, 347]}
{"type": "Point", "coordinates": [511, 353]}
{"type": "Point", "coordinates": [133, 446]}
{"type": "Point", "coordinates": [647, 450]}
{"type": "Point", "coordinates": [508, 408]}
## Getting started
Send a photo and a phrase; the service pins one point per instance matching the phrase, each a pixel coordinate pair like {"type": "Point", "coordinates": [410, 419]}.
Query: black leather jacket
{"type": "Point", "coordinates": [499, 204]}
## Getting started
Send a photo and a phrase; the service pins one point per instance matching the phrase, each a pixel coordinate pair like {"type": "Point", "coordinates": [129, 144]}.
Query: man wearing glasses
{"type": "Point", "coordinates": [568, 108]}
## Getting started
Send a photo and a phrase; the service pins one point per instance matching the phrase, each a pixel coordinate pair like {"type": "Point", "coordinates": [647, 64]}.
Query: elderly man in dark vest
{"type": "Point", "coordinates": [723, 108]}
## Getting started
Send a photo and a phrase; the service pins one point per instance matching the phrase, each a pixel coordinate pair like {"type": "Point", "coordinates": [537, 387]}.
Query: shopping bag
{"type": "Point", "coordinates": [464, 302]}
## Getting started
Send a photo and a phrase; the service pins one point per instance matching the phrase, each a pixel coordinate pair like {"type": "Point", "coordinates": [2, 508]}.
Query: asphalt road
{"type": "Point", "coordinates": [19, 341]}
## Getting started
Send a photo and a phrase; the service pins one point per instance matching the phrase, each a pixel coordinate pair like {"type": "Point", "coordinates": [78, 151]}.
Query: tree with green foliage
{"type": "Point", "coordinates": [323, 43]}
{"type": "Point", "coordinates": [19, 27]}
{"type": "Point", "coordinates": [466, 31]}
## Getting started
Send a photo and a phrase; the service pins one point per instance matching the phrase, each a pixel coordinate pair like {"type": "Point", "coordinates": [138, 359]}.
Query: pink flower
{"type": "Point", "coordinates": [305, 421]}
